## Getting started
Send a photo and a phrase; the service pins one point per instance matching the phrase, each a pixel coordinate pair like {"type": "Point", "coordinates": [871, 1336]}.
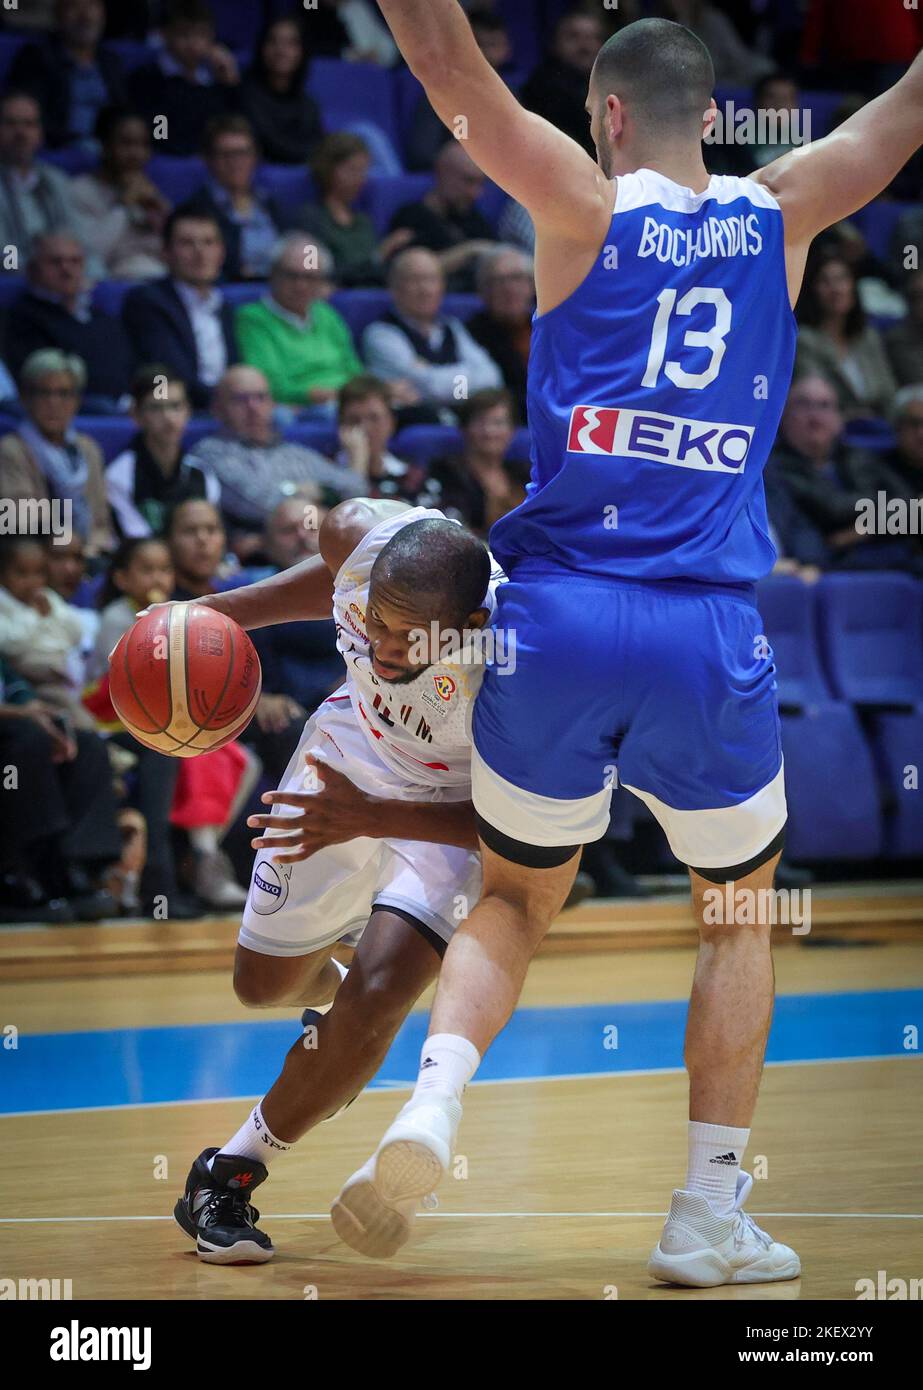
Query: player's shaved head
{"type": "Point", "coordinates": [442, 569]}
{"type": "Point", "coordinates": [661, 72]}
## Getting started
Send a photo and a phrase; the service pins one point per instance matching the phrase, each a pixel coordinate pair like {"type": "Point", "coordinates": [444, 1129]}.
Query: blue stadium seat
{"type": "Point", "coordinates": [869, 434]}
{"type": "Point", "coordinates": [346, 91]}
{"type": "Point", "coordinates": [244, 293]}
{"type": "Point", "coordinates": [237, 25]}
{"type": "Point", "coordinates": [314, 434]}
{"type": "Point", "coordinates": [462, 306]}
{"type": "Point", "coordinates": [788, 609]}
{"type": "Point", "coordinates": [423, 443]}
{"type": "Point", "coordinates": [360, 307]}
{"type": "Point", "coordinates": [109, 296]}
{"type": "Point", "coordinates": [177, 176]}
{"type": "Point", "coordinates": [869, 627]}
{"type": "Point", "coordinates": [877, 221]}
{"type": "Point", "coordinates": [71, 161]}
{"type": "Point", "coordinates": [290, 185]}
{"type": "Point", "coordinates": [382, 196]}
{"type": "Point", "coordinates": [831, 786]}
{"type": "Point", "coordinates": [10, 44]}
{"type": "Point", "coordinates": [898, 740]}
{"type": "Point", "coordinates": [11, 287]}
{"type": "Point", "coordinates": [197, 429]}
{"type": "Point", "coordinates": [112, 433]}
{"type": "Point", "coordinates": [133, 52]}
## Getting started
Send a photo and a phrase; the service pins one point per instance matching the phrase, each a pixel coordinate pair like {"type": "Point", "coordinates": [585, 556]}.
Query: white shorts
{"type": "Point", "coordinates": [296, 909]}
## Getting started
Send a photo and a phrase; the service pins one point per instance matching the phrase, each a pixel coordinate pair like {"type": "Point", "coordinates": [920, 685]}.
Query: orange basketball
{"type": "Point", "coordinates": [185, 679]}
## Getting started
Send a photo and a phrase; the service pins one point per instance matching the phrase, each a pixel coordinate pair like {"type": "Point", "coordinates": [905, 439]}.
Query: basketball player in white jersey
{"type": "Point", "coordinates": [373, 840]}
{"type": "Point", "coordinates": [661, 353]}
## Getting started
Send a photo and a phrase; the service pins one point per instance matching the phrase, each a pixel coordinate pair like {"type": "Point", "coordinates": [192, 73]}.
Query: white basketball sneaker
{"type": "Point", "coordinates": [376, 1206]}
{"type": "Point", "coordinates": [700, 1248]}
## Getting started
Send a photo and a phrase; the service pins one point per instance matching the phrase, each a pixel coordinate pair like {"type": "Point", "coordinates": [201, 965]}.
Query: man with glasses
{"type": "Point", "coordinates": [34, 197]}
{"type": "Point", "coordinates": [256, 468]}
{"type": "Point", "coordinates": [249, 223]}
{"type": "Point", "coordinates": [298, 341]}
{"type": "Point", "coordinates": [55, 310]}
{"type": "Point", "coordinates": [506, 284]}
{"type": "Point", "coordinates": [183, 319]}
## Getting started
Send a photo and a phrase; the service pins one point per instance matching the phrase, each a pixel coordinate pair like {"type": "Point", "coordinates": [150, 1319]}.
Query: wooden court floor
{"type": "Point", "coordinates": [565, 1180]}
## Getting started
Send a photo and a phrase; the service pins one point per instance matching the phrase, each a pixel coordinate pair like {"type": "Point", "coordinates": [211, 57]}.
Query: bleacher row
{"type": "Point", "coordinates": [849, 652]}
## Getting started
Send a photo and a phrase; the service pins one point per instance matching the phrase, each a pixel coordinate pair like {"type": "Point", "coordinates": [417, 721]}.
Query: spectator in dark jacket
{"type": "Point", "coordinates": [183, 320]}
{"type": "Point", "coordinates": [823, 485]}
{"type": "Point", "coordinates": [55, 311]}
{"type": "Point", "coordinates": [249, 222]}
{"type": "Point", "coordinates": [558, 86]}
{"type": "Point", "coordinates": [286, 119]}
{"type": "Point", "coordinates": [506, 284]}
{"type": "Point", "coordinates": [70, 75]}
{"type": "Point", "coordinates": [480, 484]}
{"type": "Point", "coordinates": [191, 81]}
{"type": "Point", "coordinates": [446, 221]}
{"type": "Point", "coordinates": [904, 342]}
{"type": "Point", "coordinates": [34, 196]}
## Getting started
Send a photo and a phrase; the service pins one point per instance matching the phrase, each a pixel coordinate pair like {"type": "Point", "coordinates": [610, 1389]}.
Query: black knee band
{"type": "Point", "coordinates": [518, 852]}
{"type": "Point", "coordinates": [736, 871]}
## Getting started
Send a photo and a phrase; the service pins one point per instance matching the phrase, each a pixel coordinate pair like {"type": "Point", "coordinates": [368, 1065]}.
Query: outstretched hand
{"type": "Point", "coordinates": [331, 810]}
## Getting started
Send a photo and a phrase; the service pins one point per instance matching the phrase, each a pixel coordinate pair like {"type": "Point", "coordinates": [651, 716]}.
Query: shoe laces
{"type": "Point", "coordinates": [227, 1209]}
{"type": "Point", "coordinates": [745, 1226]}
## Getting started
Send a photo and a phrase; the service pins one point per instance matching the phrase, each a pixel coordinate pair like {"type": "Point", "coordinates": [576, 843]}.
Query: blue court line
{"type": "Point", "coordinates": [137, 1066]}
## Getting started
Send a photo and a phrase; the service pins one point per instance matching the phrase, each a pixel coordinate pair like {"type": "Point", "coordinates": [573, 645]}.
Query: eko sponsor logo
{"type": "Point", "coordinates": [708, 446]}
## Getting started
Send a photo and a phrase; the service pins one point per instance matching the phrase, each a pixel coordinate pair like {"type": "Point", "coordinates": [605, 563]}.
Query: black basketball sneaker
{"type": "Point", "coordinates": [215, 1210]}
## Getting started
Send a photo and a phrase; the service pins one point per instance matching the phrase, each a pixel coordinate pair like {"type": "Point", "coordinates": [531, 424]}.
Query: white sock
{"type": "Point", "coordinates": [447, 1064]}
{"type": "Point", "coordinates": [254, 1140]}
{"type": "Point", "coordinates": [715, 1155]}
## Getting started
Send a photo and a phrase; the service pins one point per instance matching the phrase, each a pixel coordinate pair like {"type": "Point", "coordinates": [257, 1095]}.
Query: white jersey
{"type": "Point", "coordinates": [420, 729]}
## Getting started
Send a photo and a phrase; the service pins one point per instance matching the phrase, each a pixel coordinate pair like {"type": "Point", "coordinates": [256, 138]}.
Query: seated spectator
{"type": "Point", "coordinates": [413, 344]}
{"type": "Point", "coordinates": [196, 537]}
{"type": "Point", "coordinates": [183, 319]}
{"type": "Point", "coordinates": [34, 197]}
{"type": "Point", "coordinates": [58, 830]}
{"type": "Point", "coordinates": [814, 484]}
{"type": "Point", "coordinates": [299, 658]}
{"type": "Point", "coordinates": [46, 458]}
{"type": "Point", "coordinates": [70, 74]}
{"type": "Point", "coordinates": [155, 473]}
{"type": "Point", "coordinates": [904, 342]}
{"type": "Point", "coordinates": [285, 118]}
{"type": "Point", "coordinates": [516, 228]}
{"type": "Point", "coordinates": [734, 62]}
{"type": "Point", "coordinates": [297, 340]}
{"type": "Point", "coordinates": [56, 311]}
{"type": "Point", "coordinates": [427, 133]}
{"type": "Point", "coordinates": [904, 463]}
{"type": "Point", "coordinates": [249, 223]}
{"type": "Point", "coordinates": [834, 339]}
{"type": "Point", "coordinates": [367, 424]}
{"type": "Point", "coordinates": [192, 79]}
{"type": "Point", "coordinates": [480, 485]}
{"type": "Point", "coordinates": [353, 30]}
{"type": "Point", "coordinates": [506, 284]}
{"type": "Point", "coordinates": [40, 634]}
{"type": "Point", "coordinates": [118, 202]}
{"type": "Point", "coordinates": [557, 88]}
{"type": "Point", "coordinates": [446, 221]}
{"type": "Point", "coordinates": [255, 467]}
{"type": "Point", "coordinates": [340, 166]}
{"type": "Point", "coordinates": [776, 102]}
{"type": "Point", "coordinates": [67, 568]}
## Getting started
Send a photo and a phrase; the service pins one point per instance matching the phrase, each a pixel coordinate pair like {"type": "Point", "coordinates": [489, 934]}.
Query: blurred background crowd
{"type": "Point", "coordinates": [246, 273]}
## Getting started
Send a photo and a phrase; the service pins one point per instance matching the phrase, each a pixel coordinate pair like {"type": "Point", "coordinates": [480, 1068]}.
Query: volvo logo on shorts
{"type": "Point", "coordinates": [644, 434]}
{"type": "Point", "coordinates": [269, 888]}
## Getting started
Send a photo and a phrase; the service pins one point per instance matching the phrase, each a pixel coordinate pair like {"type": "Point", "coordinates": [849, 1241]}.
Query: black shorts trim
{"type": "Point", "coordinates": [518, 852]}
{"type": "Point", "coordinates": [736, 871]}
{"type": "Point", "coordinates": [435, 940]}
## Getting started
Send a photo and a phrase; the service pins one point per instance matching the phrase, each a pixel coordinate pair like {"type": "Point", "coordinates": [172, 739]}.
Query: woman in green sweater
{"type": "Point", "coordinates": [298, 340]}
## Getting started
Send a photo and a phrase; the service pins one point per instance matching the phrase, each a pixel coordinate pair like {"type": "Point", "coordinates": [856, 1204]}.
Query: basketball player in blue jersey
{"type": "Point", "coordinates": [662, 350]}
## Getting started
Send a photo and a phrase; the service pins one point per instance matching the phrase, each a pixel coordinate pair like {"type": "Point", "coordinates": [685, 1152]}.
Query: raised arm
{"type": "Point", "coordinates": [306, 590]}
{"type": "Point", "coordinates": [818, 184]}
{"type": "Point", "coordinates": [566, 193]}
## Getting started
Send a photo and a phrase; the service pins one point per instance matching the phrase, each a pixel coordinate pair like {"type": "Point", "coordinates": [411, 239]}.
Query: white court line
{"type": "Point", "coordinates": [386, 1086]}
{"type": "Point", "coordinates": [491, 1215]}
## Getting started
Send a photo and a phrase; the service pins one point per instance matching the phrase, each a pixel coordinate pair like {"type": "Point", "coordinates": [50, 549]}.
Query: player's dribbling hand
{"type": "Point", "coordinates": [336, 811]}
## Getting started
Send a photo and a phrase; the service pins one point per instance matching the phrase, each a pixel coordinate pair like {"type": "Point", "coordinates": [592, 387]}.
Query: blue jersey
{"type": "Point", "coordinates": [655, 392]}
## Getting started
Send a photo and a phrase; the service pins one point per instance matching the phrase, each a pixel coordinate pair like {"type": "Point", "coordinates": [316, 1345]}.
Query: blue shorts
{"type": "Point", "coordinates": [667, 688]}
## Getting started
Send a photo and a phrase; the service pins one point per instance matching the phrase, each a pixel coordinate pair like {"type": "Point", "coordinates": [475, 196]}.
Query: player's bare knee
{"type": "Point", "coordinates": [378, 998]}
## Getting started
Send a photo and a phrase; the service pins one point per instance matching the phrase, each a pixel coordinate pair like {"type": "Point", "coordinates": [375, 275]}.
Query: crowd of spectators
{"type": "Point", "coordinates": [216, 328]}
